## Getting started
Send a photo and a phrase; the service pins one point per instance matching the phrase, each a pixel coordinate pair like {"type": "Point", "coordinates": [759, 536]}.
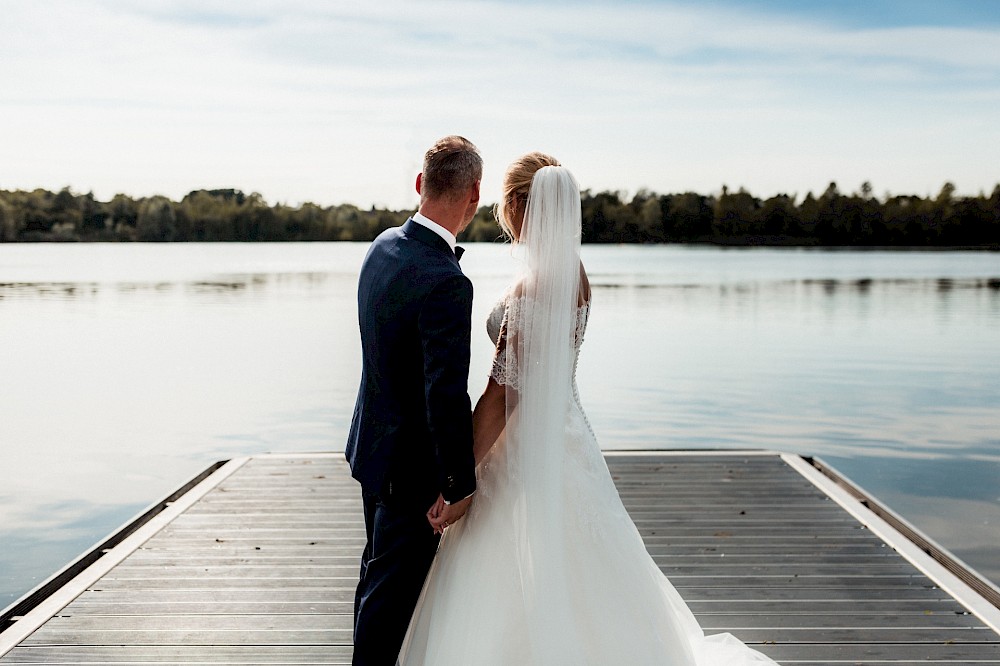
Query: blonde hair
{"type": "Point", "coordinates": [516, 185]}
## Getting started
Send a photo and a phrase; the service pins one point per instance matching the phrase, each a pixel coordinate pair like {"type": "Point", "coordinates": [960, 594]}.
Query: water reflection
{"type": "Point", "coordinates": [952, 491]}
{"type": "Point", "coordinates": [53, 290]}
{"type": "Point", "coordinates": [893, 374]}
{"type": "Point", "coordinates": [228, 283]}
{"type": "Point", "coordinates": [220, 286]}
{"type": "Point", "coordinates": [35, 551]}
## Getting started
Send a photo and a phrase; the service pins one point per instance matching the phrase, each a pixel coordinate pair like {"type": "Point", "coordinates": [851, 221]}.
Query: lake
{"type": "Point", "coordinates": [126, 369]}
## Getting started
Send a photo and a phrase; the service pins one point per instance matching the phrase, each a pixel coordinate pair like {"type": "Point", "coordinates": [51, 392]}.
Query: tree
{"type": "Point", "coordinates": [946, 194]}
{"type": "Point", "coordinates": [689, 218]}
{"type": "Point", "coordinates": [124, 212]}
{"type": "Point", "coordinates": [64, 202]}
{"type": "Point", "coordinates": [156, 220]}
{"type": "Point", "coordinates": [993, 235]}
{"type": "Point", "coordinates": [38, 218]}
{"type": "Point", "coordinates": [8, 223]}
{"type": "Point", "coordinates": [734, 214]}
{"type": "Point", "coordinates": [779, 217]}
{"type": "Point", "coordinates": [304, 222]}
{"type": "Point", "coordinates": [483, 228]}
{"type": "Point", "coordinates": [808, 214]}
{"type": "Point", "coordinates": [253, 219]}
{"type": "Point", "coordinates": [830, 226]}
{"type": "Point", "coordinates": [651, 218]}
{"type": "Point", "coordinates": [604, 217]}
{"type": "Point", "coordinates": [93, 216]}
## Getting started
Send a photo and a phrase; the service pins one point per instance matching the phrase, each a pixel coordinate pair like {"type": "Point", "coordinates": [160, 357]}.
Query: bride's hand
{"type": "Point", "coordinates": [449, 514]}
{"type": "Point", "coordinates": [434, 514]}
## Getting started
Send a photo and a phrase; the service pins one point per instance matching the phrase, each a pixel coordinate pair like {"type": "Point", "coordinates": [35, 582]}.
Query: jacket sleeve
{"type": "Point", "coordinates": [445, 324]}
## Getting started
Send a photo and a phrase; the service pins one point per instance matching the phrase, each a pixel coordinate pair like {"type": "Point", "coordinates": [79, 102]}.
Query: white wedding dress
{"type": "Point", "coordinates": [624, 610]}
{"type": "Point", "coordinates": [547, 568]}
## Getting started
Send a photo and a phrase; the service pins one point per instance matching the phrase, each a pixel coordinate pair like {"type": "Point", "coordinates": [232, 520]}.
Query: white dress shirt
{"type": "Point", "coordinates": [425, 221]}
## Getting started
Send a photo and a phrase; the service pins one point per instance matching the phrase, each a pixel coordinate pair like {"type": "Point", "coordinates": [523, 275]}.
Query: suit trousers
{"type": "Point", "coordinates": [401, 546]}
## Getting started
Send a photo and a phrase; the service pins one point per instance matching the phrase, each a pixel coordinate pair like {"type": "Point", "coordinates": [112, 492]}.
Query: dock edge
{"type": "Point", "coordinates": [968, 587]}
{"type": "Point", "coordinates": [24, 616]}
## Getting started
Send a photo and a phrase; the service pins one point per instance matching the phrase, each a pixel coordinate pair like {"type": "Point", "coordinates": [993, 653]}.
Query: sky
{"type": "Point", "coordinates": [335, 102]}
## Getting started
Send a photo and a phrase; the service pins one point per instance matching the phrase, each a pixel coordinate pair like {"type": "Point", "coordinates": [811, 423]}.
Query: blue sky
{"type": "Point", "coordinates": [874, 13]}
{"type": "Point", "coordinates": [308, 100]}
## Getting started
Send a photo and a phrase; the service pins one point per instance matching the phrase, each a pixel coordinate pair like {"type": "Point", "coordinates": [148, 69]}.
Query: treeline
{"type": "Point", "coordinates": [729, 218]}
{"type": "Point", "coordinates": [202, 215]}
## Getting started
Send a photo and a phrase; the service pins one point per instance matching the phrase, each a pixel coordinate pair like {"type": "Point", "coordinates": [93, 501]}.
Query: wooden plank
{"type": "Point", "coordinates": [853, 607]}
{"type": "Point", "coordinates": [874, 653]}
{"type": "Point", "coordinates": [234, 595]}
{"type": "Point", "coordinates": [872, 622]}
{"type": "Point", "coordinates": [250, 634]}
{"type": "Point", "coordinates": [186, 540]}
{"type": "Point", "coordinates": [304, 622]}
{"type": "Point", "coordinates": [254, 558]}
{"type": "Point", "coordinates": [241, 655]}
{"type": "Point", "coordinates": [668, 565]}
{"type": "Point", "coordinates": [268, 605]}
{"type": "Point", "coordinates": [238, 571]}
{"type": "Point", "coordinates": [264, 558]}
{"type": "Point", "coordinates": [245, 583]}
{"type": "Point", "coordinates": [254, 606]}
{"type": "Point", "coordinates": [784, 593]}
{"type": "Point", "coordinates": [905, 635]}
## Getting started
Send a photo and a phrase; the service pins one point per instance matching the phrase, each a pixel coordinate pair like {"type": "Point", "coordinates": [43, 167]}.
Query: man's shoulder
{"type": "Point", "coordinates": [403, 248]}
{"type": "Point", "coordinates": [420, 265]}
{"type": "Point", "coordinates": [399, 243]}
{"type": "Point", "coordinates": [389, 236]}
{"type": "Point", "coordinates": [384, 248]}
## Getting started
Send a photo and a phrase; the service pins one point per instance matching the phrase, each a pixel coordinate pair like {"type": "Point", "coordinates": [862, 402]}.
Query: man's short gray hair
{"type": "Point", "coordinates": [451, 166]}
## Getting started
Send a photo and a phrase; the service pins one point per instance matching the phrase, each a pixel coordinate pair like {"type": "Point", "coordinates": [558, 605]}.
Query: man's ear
{"type": "Point", "coordinates": [475, 193]}
{"type": "Point", "coordinates": [420, 182]}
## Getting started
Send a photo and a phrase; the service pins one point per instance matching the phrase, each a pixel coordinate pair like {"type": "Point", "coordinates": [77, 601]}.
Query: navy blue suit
{"type": "Point", "coordinates": [411, 434]}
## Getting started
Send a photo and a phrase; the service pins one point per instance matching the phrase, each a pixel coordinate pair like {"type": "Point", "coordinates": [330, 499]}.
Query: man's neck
{"type": "Point", "coordinates": [448, 216]}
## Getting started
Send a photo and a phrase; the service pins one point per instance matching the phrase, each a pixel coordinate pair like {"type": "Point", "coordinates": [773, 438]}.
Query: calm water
{"type": "Point", "coordinates": [127, 369]}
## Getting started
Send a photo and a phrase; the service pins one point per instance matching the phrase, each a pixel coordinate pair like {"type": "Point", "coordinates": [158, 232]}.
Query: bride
{"type": "Point", "coordinates": [547, 567]}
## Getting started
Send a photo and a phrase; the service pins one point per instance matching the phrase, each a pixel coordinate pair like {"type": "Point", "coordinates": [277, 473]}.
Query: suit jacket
{"type": "Point", "coordinates": [411, 433]}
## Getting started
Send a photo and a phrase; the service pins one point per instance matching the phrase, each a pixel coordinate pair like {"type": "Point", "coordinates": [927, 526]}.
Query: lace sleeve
{"type": "Point", "coordinates": [502, 372]}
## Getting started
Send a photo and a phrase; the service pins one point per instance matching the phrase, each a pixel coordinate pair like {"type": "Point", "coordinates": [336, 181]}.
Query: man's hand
{"type": "Point", "coordinates": [441, 515]}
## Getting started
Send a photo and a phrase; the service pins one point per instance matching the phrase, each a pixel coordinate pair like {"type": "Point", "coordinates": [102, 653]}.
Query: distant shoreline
{"type": "Point", "coordinates": [727, 219]}
{"type": "Point", "coordinates": [707, 244]}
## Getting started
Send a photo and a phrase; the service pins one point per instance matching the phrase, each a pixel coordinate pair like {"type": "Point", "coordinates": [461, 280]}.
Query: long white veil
{"type": "Point", "coordinates": [540, 348]}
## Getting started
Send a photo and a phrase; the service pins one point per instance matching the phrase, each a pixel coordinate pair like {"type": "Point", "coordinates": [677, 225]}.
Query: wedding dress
{"type": "Point", "coordinates": [546, 567]}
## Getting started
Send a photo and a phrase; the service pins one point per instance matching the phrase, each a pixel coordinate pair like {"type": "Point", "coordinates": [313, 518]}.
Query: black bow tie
{"type": "Point", "coordinates": [459, 251]}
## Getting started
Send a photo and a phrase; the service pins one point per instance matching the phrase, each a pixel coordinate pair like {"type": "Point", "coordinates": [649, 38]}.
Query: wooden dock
{"type": "Point", "coordinates": [256, 563]}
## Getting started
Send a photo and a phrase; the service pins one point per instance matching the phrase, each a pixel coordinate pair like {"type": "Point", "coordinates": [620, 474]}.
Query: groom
{"type": "Point", "coordinates": [410, 443]}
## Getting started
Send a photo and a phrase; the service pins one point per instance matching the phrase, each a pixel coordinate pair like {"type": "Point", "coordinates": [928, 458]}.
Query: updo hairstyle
{"type": "Point", "coordinates": [516, 184]}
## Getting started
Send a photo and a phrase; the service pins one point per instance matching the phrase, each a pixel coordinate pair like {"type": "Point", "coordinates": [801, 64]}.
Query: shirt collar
{"type": "Point", "coordinates": [425, 221]}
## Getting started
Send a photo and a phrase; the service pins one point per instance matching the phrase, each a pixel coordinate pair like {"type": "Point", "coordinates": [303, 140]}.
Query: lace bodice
{"type": "Point", "coordinates": [495, 327]}
{"type": "Point", "coordinates": [495, 320]}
